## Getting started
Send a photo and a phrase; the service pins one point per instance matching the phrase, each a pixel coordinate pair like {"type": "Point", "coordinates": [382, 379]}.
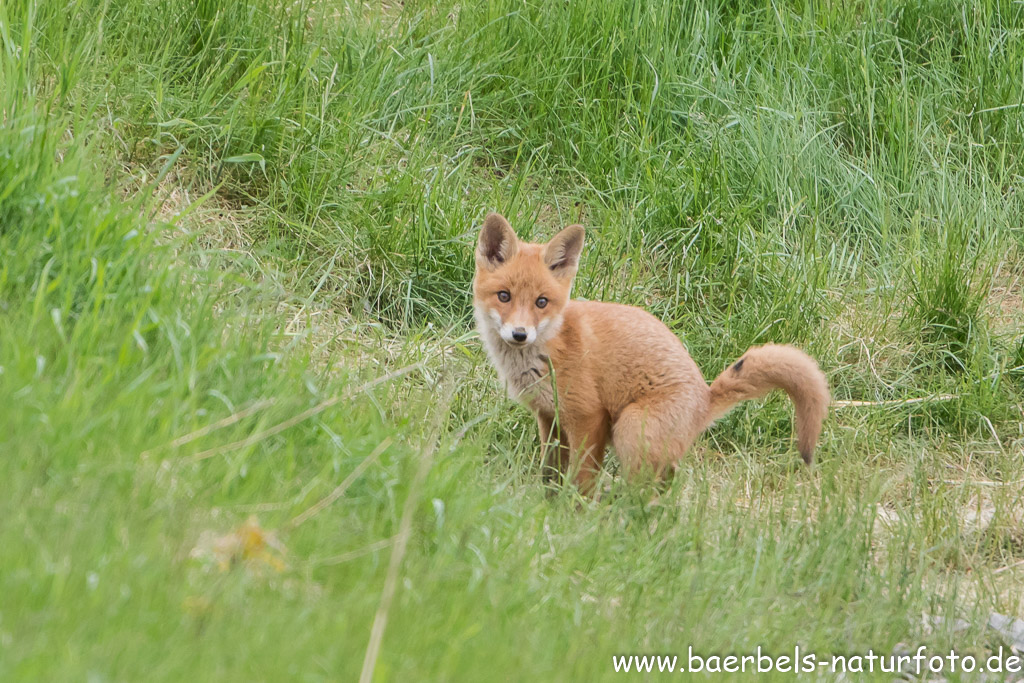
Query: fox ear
{"type": "Point", "coordinates": [498, 242]}
{"type": "Point", "coordinates": [562, 253]}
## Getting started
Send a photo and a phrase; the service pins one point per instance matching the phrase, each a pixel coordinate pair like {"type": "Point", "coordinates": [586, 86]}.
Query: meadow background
{"type": "Point", "coordinates": [235, 256]}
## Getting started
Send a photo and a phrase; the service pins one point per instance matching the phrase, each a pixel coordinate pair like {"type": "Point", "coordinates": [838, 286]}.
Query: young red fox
{"type": "Point", "coordinates": [591, 371]}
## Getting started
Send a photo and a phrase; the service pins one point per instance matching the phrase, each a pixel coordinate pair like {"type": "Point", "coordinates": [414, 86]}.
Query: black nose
{"type": "Point", "coordinates": [519, 334]}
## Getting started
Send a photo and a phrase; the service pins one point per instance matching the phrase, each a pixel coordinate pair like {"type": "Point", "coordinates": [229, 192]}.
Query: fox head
{"type": "Point", "coordinates": [521, 289]}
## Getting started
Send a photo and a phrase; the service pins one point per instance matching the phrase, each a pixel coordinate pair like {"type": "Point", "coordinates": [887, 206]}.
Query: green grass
{"type": "Point", "coordinates": [221, 223]}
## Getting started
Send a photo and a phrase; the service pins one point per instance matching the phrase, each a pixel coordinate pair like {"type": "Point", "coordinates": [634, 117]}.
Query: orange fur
{"type": "Point", "coordinates": [594, 371]}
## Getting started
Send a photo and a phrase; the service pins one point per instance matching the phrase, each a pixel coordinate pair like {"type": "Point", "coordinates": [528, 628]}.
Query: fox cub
{"type": "Point", "coordinates": [593, 371]}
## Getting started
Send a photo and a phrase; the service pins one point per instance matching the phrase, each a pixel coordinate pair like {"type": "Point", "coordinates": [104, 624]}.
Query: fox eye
{"type": "Point", "coordinates": [504, 297]}
{"type": "Point", "coordinates": [542, 302]}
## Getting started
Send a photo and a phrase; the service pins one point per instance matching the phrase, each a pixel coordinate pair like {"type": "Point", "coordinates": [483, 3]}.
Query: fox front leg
{"type": "Point", "coordinates": [554, 449]}
{"type": "Point", "coordinates": [587, 440]}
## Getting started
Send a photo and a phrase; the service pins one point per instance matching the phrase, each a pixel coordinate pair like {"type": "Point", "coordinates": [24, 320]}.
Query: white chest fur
{"type": "Point", "coordinates": [524, 371]}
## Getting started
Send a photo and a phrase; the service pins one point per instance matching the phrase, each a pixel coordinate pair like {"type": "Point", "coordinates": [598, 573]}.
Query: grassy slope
{"type": "Point", "coordinates": [207, 208]}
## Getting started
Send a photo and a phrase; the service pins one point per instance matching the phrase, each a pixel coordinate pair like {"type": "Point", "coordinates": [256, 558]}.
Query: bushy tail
{"type": "Point", "coordinates": [764, 368]}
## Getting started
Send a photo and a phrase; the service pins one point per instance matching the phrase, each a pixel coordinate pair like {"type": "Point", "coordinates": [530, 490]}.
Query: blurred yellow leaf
{"type": "Point", "coordinates": [250, 544]}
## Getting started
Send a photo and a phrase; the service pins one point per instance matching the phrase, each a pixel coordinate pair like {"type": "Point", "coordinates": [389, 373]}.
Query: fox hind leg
{"type": "Point", "coordinates": [650, 437]}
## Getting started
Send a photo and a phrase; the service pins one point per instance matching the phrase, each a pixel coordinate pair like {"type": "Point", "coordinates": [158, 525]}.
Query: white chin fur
{"type": "Point", "coordinates": [548, 328]}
